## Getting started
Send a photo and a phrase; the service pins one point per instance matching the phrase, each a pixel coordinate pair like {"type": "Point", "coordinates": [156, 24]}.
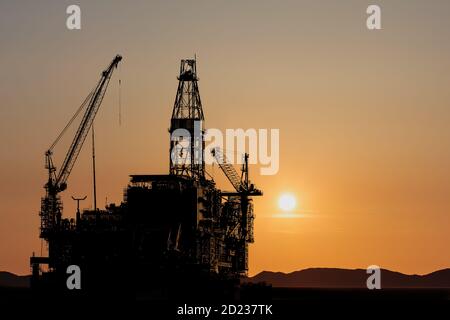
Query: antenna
{"type": "Point", "coordinates": [93, 168]}
{"type": "Point", "coordinates": [78, 207]}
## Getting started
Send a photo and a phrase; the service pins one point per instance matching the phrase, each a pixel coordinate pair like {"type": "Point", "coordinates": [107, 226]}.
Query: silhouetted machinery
{"type": "Point", "coordinates": [173, 226]}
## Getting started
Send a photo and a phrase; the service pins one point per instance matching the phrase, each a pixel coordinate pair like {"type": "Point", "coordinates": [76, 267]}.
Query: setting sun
{"type": "Point", "coordinates": [287, 202]}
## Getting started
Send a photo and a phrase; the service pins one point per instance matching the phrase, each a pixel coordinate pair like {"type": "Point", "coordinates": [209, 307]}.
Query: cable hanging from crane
{"type": "Point", "coordinates": [80, 108]}
{"type": "Point", "coordinates": [120, 96]}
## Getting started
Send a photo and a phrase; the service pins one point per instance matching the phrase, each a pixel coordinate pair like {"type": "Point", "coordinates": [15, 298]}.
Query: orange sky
{"type": "Point", "coordinates": [363, 117]}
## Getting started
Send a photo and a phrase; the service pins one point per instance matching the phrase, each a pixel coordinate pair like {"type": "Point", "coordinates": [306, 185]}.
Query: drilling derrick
{"type": "Point", "coordinates": [186, 126]}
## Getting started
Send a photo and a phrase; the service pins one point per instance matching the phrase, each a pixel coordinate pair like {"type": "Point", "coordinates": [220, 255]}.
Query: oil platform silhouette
{"type": "Point", "coordinates": [171, 231]}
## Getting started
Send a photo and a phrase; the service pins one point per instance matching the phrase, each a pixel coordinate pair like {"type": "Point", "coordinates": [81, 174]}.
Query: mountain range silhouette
{"type": "Point", "coordinates": [346, 278]}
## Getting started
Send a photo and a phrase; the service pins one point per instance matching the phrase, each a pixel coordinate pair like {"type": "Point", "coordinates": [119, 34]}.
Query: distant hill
{"type": "Point", "coordinates": [345, 278]}
{"type": "Point", "coordinates": [8, 279]}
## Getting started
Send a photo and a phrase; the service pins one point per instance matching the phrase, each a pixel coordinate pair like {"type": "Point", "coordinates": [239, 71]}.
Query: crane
{"type": "Point", "coordinates": [243, 188]}
{"type": "Point", "coordinates": [51, 206]}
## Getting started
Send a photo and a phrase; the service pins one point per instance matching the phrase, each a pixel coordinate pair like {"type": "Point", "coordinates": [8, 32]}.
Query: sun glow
{"type": "Point", "coordinates": [287, 202]}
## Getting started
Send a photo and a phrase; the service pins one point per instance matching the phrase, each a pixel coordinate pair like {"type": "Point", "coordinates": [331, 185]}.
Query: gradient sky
{"type": "Point", "coordinates": [363, 116]}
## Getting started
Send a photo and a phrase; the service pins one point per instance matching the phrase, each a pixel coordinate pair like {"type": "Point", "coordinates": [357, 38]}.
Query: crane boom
{"type": "Point", "coordinates": [241, 184]}
{"type": "Point", "coordinates": [227, 169]}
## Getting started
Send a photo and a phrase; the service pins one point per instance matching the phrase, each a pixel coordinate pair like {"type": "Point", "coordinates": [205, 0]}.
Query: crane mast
{"type": "Point", "coordinates": [51, 206]}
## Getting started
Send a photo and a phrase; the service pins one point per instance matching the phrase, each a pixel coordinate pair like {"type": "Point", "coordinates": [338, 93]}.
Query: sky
{"type": "Point", "coordinates": [363, 117]}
